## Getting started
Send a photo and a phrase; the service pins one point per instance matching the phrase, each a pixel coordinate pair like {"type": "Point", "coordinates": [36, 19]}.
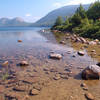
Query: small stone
{"type": "Point", "coordinates": [92, 43]}
{"type": "Point", "coordinates": [81, 53]}
{"type": "Point", "coordinates": [73, 56]}
{"type": "Point", "coordinates": [83, 85]}
{"type": "Point", "coordinates": [34, 92]}
{"type": "Point", "coordinates": [24, 63]}
{"type": "Point", "coordinates": [98, 64]}
{"type": "Point", "coordinates": [5, 63]}
{"type": "Point", "coordinates": [85, 88]}
{"type": "Point", "coordinates": [64, 76]}
{"type": "Point", "coordinates": [57, 77]}
{"type": "Point", "coordinates": [96, 40]}
{"type": "Point", "coordinates": [89, 96]}
{"type": "Point", "coordinates": [19, 40]}
{"type": "Point", "coordinates": [55, 56]}
{"type": "Point", "coordinates": [93, 51]}
{"type": "Point", "coordinates": [20, 88]}
{"type": "Point", "coordinates": [62, 42]}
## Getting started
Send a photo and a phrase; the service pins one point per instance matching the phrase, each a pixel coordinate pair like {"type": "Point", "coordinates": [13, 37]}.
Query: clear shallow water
{"type": "Point", "coordinates": [34, 43]}
{"type": "Point", "coordinates": [35, 49]}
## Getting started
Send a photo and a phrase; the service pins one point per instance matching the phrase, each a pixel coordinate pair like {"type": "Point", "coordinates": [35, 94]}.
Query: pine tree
{"type": "Point", "coordinates": [81, 11]}
{"type": "Point", "coordinates": [66, 21]}
{"type": "Point", "coordinates": [59, 21]}
{"type": "Point", "coordinates": [94, 11]}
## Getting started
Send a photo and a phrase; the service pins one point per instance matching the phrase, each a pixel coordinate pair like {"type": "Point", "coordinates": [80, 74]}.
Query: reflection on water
{"type": "Point", "coordinates": [33, 41]}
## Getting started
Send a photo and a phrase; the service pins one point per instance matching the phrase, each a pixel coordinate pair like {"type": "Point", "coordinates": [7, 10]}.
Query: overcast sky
{"type": "Point", "coordinates": [32, 10]}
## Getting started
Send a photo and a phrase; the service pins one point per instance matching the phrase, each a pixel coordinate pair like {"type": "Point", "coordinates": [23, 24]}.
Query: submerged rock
{"type": "Point", "coordinates": [34, 92]}
{"type": "Point", "coordinates": [62, 42]}
{"type": "Point", "coordinates": [23, 63]}
{"type": "Point", "coordinates": [5, 63]}
{"type": "Point", "coordinates": [19, 40]}
{"type": "Point", "coordinates": [89, 96]}
{"type": "Point", "coordinates": [57, 77]}
{"type": "Point", "coordinates": [81, 53]}
{"type": "Point", "coordinates": [98, 64]}
{"type": "Point", "coordinates": [55, 56]}
{"type": "Point", "coordinates": [91, 72]}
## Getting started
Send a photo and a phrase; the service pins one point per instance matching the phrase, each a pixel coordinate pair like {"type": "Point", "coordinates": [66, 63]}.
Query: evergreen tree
{"type": "Point", "coordinates": [81, 11]}
{"type": "Point", "coordinates": [59, 21]}
{"type": "Point", "coordinates": [94, 11]}
{"type": "Point", "coordinates": [76, 20]}
{"type": "Point", "coordinates": [66, 21]}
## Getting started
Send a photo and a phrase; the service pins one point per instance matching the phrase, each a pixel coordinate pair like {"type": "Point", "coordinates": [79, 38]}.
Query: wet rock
{"type": "Point", "coordinates": [55, 56]}
{"type": "Point", "coordinates": [96, 40]}
{"type": "Point", "coordinates": [74, 56]}
{"type": "Point", "coordinates": [98, 43]}
{"type": "Point", "coordinates": [89, 96]}
{"type": "Point", "coordinates": [85, 88]}
{"type": "Point", "coordinates": [93, 51]}
{"type": "Point", "coordinates": [91, 72]}
{"type": "Point", "coordinates": [31, 80]}
{"type": "Point", "coordinates": [92, 43]}
{"type": "Point", "coordinates": [83, 40]}
{"type": "Point", "coordinates": [62, 42]}
{"type": "Point", "coordinates": [83, 85]}
{"type": "Point", "coordinates": [81, 53]}
{"type": "Point", "coordinates": [98, 64]}
{"type": "Point", "coordinates": [20, 88]}
{"type": "Point", "coordinates": [5, 63]}
{"type": "Point", "coordinates": [57, 77]}
{"type": "Point", "coordinates": [11, 96]}
{"type": "Point", "coordinates": [34, 92]}
{"type": "Point", "coordinates": [23, 63]}
{"type": "Point", "coordinates": [77, 39]}
{"type": "Point", "coordinates": [64, 76]}
{"type": "Point", "coordinates": [19, 40]}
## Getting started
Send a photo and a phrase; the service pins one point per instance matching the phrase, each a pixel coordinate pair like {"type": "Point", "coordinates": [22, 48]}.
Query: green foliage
{"type": "Point", "coordinates": [81, 12]}
{"type": "Point", "coordinates": [83, 23]}
{"type": "Point", "coordinates": [66, 21]}
{"type": "Point", "coordinates": [59, 21]}
{"type": "Point", "coordinates": [76, 20]}
{"type": "Point", "coordinates": [94, 11]}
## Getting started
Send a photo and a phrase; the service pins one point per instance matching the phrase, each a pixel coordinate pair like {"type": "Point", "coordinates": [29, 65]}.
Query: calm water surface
{"type": "Point", "coordinates": [34, 43]}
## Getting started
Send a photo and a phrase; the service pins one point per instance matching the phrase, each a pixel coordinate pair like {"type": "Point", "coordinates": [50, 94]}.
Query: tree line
{"type": "Point", "coordinates": [85, 23]}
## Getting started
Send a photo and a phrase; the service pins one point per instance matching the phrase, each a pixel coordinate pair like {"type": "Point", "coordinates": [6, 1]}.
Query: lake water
{"type": "Point", "coordinates": [35, 49]}
{"type": "Point", "coordinates": [34, 43]}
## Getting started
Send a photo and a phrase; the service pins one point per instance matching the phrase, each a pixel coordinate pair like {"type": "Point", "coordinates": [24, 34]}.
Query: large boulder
{"type": "Point", "coordinates": [91, 72]}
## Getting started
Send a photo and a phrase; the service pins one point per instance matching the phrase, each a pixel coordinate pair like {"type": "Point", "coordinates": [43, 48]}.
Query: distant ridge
{"type": "Point", "coordinates": [50, 18]}
{"type": "Point", "coordinates": [13, 22]}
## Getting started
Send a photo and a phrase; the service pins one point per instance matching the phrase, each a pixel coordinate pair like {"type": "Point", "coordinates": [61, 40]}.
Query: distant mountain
{"type": "Point", "coordinates": [50, 18]}
{"type": "Point", "coordinates": [13, 22]}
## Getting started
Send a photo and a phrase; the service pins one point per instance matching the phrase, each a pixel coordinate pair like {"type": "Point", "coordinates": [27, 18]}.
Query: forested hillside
{"type": "Point", "coordinates": [85, 23]}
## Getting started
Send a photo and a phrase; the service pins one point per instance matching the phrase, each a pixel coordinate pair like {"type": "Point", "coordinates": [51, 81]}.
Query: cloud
{"type": "Point", "coordinates": [72, 2]}
{"type": "Point", "coordinates": [28, 15]}
{"type": "Point", "coordinates": [75, 2]}
{"type": "Point", "coordinates": [57, 4]}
